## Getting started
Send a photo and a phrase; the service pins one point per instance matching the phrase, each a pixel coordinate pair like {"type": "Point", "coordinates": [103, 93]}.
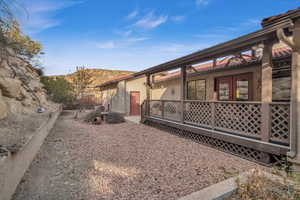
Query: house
{"type": "Point", "coordinates": [125, 94]}
{"type": "Point", "coordinates": [241, 96]}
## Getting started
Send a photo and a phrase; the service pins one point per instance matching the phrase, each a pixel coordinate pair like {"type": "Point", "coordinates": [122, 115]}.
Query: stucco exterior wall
{"type": "Point", "coordinates": [117, 96]}
{"type": "Point", "coordinates": [107, 95]}
{"type": "Point", "coordinates": [254, 70]}
{"type": "Point", "coordinates": [135, 85]}
{"type": "Point", "coordinates": [118, 99]}
{"type": "Point", "coordinates": [167, 90]}
{"type": "Point", "coordinates": [171, 89]}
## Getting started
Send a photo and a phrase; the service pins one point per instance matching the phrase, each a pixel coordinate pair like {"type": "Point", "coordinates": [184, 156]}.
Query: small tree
{"type": "Point", "coordinates": [81, 81]}
{"type": "Point", "coordinates": [23, 45]}
{"type": "Point", "coordinates": [59, 89]}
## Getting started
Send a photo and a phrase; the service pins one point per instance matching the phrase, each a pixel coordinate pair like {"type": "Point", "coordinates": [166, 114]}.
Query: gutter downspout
{"type": "Point", "coordinates": [293, 130]}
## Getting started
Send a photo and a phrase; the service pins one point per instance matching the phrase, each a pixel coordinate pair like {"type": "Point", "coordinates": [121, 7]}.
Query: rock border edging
{"type": "Point", "coordinates": [226, 188]}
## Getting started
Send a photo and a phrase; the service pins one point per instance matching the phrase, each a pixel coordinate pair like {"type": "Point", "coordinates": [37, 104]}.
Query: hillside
{"type": "Point", "coordinates": [99, 76]}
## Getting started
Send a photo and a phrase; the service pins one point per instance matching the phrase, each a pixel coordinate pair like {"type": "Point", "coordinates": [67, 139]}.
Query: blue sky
{"type": "Point", "coordinates": [136, 34]}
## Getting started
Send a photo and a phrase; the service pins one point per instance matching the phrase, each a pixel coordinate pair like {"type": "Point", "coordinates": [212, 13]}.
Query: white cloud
{"type": "Point", "coordinates": [36, 16]}
{"type": "Point", "coordinates": [133, 14]}
{"type": "Point", "coordinates": [137, 39]}
{"type": "Point", "coordinates": [200, 3]}
{"type": "Point", "coordinates": [106, 45]}
{"type": "Point", "coordinates": [124, 33]}
{"type": "Point", "coordinates": [150, 21]}
{"type": "Point", "coordinates": [178, 18]}
{"type": "Point", "coordinates": [122, 43]}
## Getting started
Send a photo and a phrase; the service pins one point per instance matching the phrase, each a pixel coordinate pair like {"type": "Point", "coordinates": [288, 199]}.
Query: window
{"type": "Point", "coordinates": [196, 90]}
{"type": "Point", "coordinates": [237, 88]}
{"type": "Point", "coordinates": [242, 90]}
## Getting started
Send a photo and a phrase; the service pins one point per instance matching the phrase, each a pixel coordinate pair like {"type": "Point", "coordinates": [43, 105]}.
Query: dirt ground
{"type": "Point", "coordinates": [17, 129]}
{"type": "Point", "coordinates": [122, 161]}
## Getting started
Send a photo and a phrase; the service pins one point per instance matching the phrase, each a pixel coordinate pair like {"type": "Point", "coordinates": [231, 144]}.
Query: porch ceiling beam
{"type": "Point", "coordinates": [193, 68]}
{"type": "Point", "coordinates": [242, 43]}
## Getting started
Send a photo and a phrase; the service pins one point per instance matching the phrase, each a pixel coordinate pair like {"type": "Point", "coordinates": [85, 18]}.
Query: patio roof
{"type": "Point", "coordinates": [283, 16]}
{"type": "Point", "coordinates": [278, 53]}
{"type": "Point", "coordinates": [243, 43]}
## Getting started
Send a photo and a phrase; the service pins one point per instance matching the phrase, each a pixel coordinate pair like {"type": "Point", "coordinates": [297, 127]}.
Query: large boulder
{"type": "Point", "coordinates": [3, 108]}
{"type": "Point", "coordinates": [5, 70]}
{"type": "Point", "coordinates": [10, 87]}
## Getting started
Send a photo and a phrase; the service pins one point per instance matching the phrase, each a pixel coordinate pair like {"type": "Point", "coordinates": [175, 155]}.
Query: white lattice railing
{"type": "Point", "coordinates": [269, 122]}
{"type": "Point", "coordinates": [280, 122]}
{"type": "Point", "coordinates": [241, 118]}
{"type": "Point", "coordinates": [155, 108]}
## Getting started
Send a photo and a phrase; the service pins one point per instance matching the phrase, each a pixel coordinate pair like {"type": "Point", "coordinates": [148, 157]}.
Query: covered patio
{"type": "Point", "coordinates": [261, 130]}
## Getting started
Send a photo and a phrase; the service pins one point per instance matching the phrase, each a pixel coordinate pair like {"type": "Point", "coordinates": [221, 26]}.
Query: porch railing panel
{"type": "Point", "coordinates": [155, 107]}
{"type": "Point", "coordinates": [172, 110]}
{"type": "Point", "coordinates": [198, 113]}
{"type": "Point", "coordinates": [280, 122]}
{"type": "Point", "coordinates": [242, 118]}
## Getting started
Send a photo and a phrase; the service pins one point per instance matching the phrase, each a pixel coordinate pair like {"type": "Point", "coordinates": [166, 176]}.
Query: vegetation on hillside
{"type": "Point", "coordinates": [59, 90]}
{"type": "Point", "coordinates": [11, 36]}
{"type": "Point", "coordinates": [98, 76]}
{"type": "Point", "coordinates": [23, 45]}
{"type": "Point", "coordinates": [85, 82]}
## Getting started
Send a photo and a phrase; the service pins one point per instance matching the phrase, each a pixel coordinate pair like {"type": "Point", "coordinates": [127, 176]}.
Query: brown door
{"type": "Point", "coordinates": [134, 103]}
{"type": "Point", "coordinates": [224, 88]}
{"type": "Point", "coordinates": [242, 87]}
{"type": "Point", "coordinates": [235, 88]}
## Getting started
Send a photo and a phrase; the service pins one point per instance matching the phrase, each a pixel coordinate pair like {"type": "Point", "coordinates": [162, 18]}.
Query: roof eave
{"type": "Point", "coordinates": [227, 48]}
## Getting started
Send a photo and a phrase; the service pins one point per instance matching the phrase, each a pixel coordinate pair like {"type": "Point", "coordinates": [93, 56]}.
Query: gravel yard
{"type": "Point", "coordinates": [122, 161]}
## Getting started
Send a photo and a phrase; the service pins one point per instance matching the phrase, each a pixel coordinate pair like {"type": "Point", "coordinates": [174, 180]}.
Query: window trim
{"type": "Point", "coordinates": [232, 79]}
{"type": "Point", "coordinates": [187, 88]}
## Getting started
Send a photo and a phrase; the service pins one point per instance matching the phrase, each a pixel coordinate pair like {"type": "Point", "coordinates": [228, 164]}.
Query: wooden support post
{"type": "Point", "coordinates": [266, 73]}
{"type": "Point", "coordinates": [266, 90]}
{"type": "Point", "coordinates": [253, 53]}
{"type": "Point", "coordinates": [295, 107]}
{"type": "Point", "coordinates": [265, 121]}
{"type": "Point", "coordinates": [148, 83]}
{"type": "Point", "coordinates": [295, 98]}
{"type": "Point", "coordinates": [162, 109]}
{"type": "Point", "coordinates": [294, 43]}
{"type": "Point", "coordinates": [183, 91]}
{"type": "Point", "coordinates": [213, 119]}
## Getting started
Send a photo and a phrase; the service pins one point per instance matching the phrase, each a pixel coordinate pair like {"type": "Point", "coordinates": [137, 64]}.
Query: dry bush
{"type": "Point", "coordinates": [258, 186]}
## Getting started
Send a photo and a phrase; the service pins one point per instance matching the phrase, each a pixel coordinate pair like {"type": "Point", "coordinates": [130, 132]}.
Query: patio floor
{"type": "Point", "coordinates": [122, 161]}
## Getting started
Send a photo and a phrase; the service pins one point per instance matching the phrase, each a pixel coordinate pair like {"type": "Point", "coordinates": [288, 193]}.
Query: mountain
{"type": "Point", "coordinates": [99, 76]}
